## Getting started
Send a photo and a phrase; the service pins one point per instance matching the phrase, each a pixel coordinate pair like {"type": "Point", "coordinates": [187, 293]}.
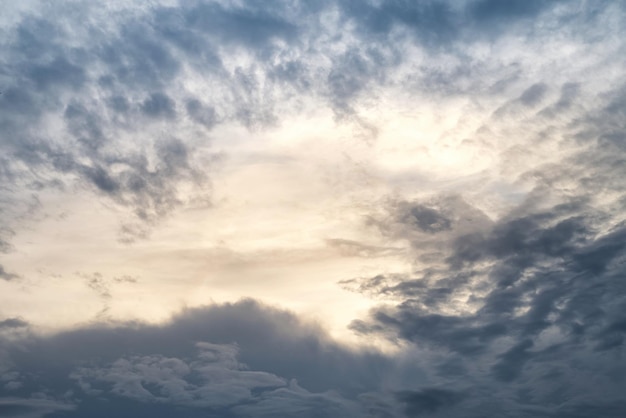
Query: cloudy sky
{"type": "Point", "coordinates": [292, 208]}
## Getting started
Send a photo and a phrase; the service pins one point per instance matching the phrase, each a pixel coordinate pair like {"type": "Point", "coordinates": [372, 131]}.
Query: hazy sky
{"type": "Point", "coordinates": [373, 208]}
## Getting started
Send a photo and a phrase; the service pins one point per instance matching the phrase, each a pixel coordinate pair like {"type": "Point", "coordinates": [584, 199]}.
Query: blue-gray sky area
{"type": "Point", "coordinates": [373, 208]}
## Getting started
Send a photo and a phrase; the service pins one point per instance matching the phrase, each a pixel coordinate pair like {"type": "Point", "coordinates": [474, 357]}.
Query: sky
{"type": "Point", "coordinates": [291, 208]}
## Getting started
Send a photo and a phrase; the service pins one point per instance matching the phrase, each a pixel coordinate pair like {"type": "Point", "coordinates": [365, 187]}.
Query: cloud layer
{"type": "Point", "coordinates": [239, 359]}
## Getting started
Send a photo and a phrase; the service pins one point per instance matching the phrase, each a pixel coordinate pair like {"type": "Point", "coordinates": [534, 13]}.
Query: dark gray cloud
{"type": "Point", "coordinates": [529, 302]}
{"type": "Point", "coordinates": [31, 408]}
{"type": "Point", "coordinates": [495, 10]}
{"type": "Point", "coordinates": [236, 360]}
{"type": "Point", "coordinates": [13, 323]}
{"type": "Point", "coordinates": [428, 219]}
{"type": "Point", "coordinates": [205, 115]}
{"type": "Point", "coordinates": [548, 276]}
{"type": "Point", "coordinates": [159, 105]}
{"type": "Point", "coordinates": [428, 400]}
{"type": "Point", "coordinates": [431, 21]}
{"type": "Point", "coordinates": [251, 26]}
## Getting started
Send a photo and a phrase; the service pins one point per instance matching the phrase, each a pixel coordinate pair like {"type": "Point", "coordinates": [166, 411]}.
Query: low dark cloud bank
{"type": "Point", "coordinates": [240, 359]}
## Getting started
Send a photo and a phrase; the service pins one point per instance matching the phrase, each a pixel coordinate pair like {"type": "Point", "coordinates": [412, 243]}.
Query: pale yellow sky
{"type": "Point", "coordinates": [279, 197]}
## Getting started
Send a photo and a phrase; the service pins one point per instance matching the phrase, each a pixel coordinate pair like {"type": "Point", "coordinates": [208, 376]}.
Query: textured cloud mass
{"type": "Point", "coordinates": [313, 209]}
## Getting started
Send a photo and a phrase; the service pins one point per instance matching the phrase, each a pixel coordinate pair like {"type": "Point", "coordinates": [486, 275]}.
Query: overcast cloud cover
{"type": "Point", "coordinates": [313, 209]}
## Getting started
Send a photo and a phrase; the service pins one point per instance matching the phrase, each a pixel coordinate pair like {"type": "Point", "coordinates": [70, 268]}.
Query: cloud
{"type": "Point", "coordinates": [429, 220]}
{"type": "Point", "coordinates": [219, 380]}
{"type": "Point", "coordinates": [503, 10]}
{"type": "Point", "coordinates": [428, 400]}
{"type": "Point", "coordinates": [50, 80]}
{"type": "Point", "coordinates": [530, 290]}
{"type": "Point", "coordinates": [5, 275]}
{"type": "Point", "coordinates": [237, 359]}
{"type": "Point", "coordinates": [31, 408]}
{"type": "Point", "coordinates": [252, 27]}
{"type": "Point", "coordinates": [159, 105]}
{"type": "Point", "coordinates": [13, 323]}
{"type": "Point", "coordinates": [538, 284]}
{"type": "Point", "coordinates": [137, 63]}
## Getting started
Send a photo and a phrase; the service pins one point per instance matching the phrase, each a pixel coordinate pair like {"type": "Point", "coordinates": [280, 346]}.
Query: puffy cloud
{"type": "Point", "coordinates": [240, 359]}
